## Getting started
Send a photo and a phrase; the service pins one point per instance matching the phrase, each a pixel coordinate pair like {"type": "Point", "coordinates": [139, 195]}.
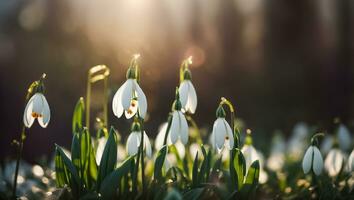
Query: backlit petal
{"type": "Point", "coordinates": [27, 115]}
{"type": "Point", "coordinates": [127, 93]}
{"type": "Point", "coordinates": [317, 161]}
{"type": "Point", "coordinates": [175, 127]}
{"type": "Point", "coordinates": [44, 119]}
{"type": "Point", "coordinates": [307, 160]}
{"type": "Point", "coordinates": [184, 128]}
{"type": "Point", "coordinates": [142, 101]}
{"type": "Point", "coordinates": [133, 143]}
{"type": "Point", "coordinates": [192, 98]}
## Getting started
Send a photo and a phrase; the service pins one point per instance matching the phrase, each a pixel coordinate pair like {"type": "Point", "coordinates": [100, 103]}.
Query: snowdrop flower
{"type": "Point", "coordinates": [188, 96]}
{"type": "Point", "coordinates": [222, 134]}
{"type": "Point", "coordinates": [160, 139]}
{"type": "Point", "coordinates": [161, 136]}
{"type": "Point", "coordinates": [37, 108]}
{"type": "Point", "coordinates": [351, 162]}
{"type": "Point", "coordinates": [334, 162]}
{"type": "Point", "coordinates": [134, 139]}
{"type": "Point", "coordinates": [179, 125]}
{"type": "Point", "coordinates": [248, 151]}
{"type": "Point", "coordinates": [344, 138]}
{"type": "Point", "coordinates": [276, 159]}
{"type": "Point", "coordinates": [298, 140]}
{"type": "Point", "coordinates": [312, 160]}
{"type": "Point", "coordinates": [130, 98]}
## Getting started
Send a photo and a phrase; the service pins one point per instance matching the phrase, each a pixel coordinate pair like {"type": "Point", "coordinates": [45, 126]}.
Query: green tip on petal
{"type": "Point", "coordinates": [130, 73]}
{"type": "Point", "coordinates": [187, 74]}
{"type": "Point", "coordinates": [248, 139]}
{"type": "Point", "coordinates": [220, 112]}
{"type": "Point", "coordinates": [135, 127]}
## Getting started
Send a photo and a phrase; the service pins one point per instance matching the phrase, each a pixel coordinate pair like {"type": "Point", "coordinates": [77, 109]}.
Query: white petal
{"type": "Point", "coordinates": [160, 136]}
{"type": "Point", "coordinates": [219, 132]}
{"type": "Point", "coordinates": [192, 98]}
{"type": "Point", "coordinates": [175, 127]}
{"type": "Point", "coordinates": [307, 161]}
{"type": "Point", "coordinates": [351, 161]}
{"type": "Point", "coordinates": [100, 147]}
{"type": "Point", "coordinates": [334, 161]}
{"type": "Point", "coordinates": [317, 161]}
{"type": "Point", "coordinates": [44, 119]}
{"type": "Point", "coordinates": [181, 150]}
{"type": "Point", "coordinates": [117, 101]}
{"type": "Point", "coordinates": [38, 103]}
{"type": "Point", "coordinates": [250, 154]}
{"type": "Point", "coordinates": [127, 93]}
{"type": "Point", "coordinates": [133, 143]}
{"type": "Point", "coordinates": [183, 93]}
{"type": "Point", "coordinates": [142, 101]}
{"type": "Point", "coordinates": [147, 145]}
{"type": "Point", "coordinates": [229, 143]}
{"type": "Point", "coordinates": [27, 115]}
{"type": "Point", "coordinates": [184, 128]}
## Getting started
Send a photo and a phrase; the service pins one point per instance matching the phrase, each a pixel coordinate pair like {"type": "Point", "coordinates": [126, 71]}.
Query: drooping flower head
{"type": "Point", "coordinates": [130, 98]}
{"type": "Point", "coordinates": [134, 139]}
{"type": "Point", "coordinates": [188, 96]}
{"type": "Point", "coordinates": [37, 107]}
{"type": "Point", "coordinates": [334, 161]}
{"type": "Point", "coordinates": [313, 160]}
{"type": "Point", "coordinates": [222, 134]}
{"type": "Point", "coordinates": [179, 125]}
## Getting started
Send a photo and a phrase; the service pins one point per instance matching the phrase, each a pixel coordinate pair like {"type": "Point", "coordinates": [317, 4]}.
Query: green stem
{"type": "Point", "coordinates": [232, 118]}
{"type": "Point", "coordinates": [169, 122]}
{"type": "Point", "coordinates": [19, 154]}
{"type": "Point", "coordinates": [142, 155]}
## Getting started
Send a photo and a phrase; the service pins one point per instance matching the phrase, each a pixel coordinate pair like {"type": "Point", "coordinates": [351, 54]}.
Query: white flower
{"type": "Point", "coordinates": [298, 140]}
{"type": "Point", "coordinates": [344, 138]}
{"type": "Point", "coordinates": [133, 143]}
{"type": "Point", "coordinates": [327, 144]}
{"type": "Point", "coordinates": [250, 154]}
{"type": "Point", "coordinates": [129, 98]}
{"type": "Point", "coordinates": [179, 127]}
{"type": "Point", "coordinates": [334, 162]}
{"type": "Point", "coordinates": [160, 138]}
{"type": "Point", "coordinates": [222, 134]}
{"type": "Point", "coordinates": [188, 96]}
{"type": "Point", "coordinates": [351, 162]}
{"type": "Point", "coordinates": [276, 159]}
{"type": "Point", "coordinates": [312, 160]}
{"type": "Point", "coordinates": [37, 108]}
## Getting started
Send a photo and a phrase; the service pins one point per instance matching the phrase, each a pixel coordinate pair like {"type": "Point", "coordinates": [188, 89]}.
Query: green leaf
{"type": "Point", "coordinates": [110, 184]}
{"type": "Point", "coordinates": [109, 157]}
{"type": "Point", "coordinates": [160, 159]}
{"type": "Point", "coordinates": [208, 165]}
{"type": "Point", "coordinates": [253, 173]}
{"type": "Point", "coordinates": [78, 116]}
{"type": "Point", "coordinates": [75, 152]}
{"type": "Point", "coordinates": [239, 164]}
{"type": "Point", "coordinates": [193, 194]}
{"type": "Point", "coordinates": [251, 180]}
{"type": "Point", "coordinates": [88, 159]}
{"type": "Point", "coordinates": [195, 171]}
{"type": "Point", "coordinates": [61, 171]}
{"type": "Point", "coordinates": [74, 180]}
{"type": "Point", "coordinates": [201, 176]}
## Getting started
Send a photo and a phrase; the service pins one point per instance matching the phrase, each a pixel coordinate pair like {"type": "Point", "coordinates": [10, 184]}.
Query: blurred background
{"type": "Point", "coordinates": [279, 61]}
